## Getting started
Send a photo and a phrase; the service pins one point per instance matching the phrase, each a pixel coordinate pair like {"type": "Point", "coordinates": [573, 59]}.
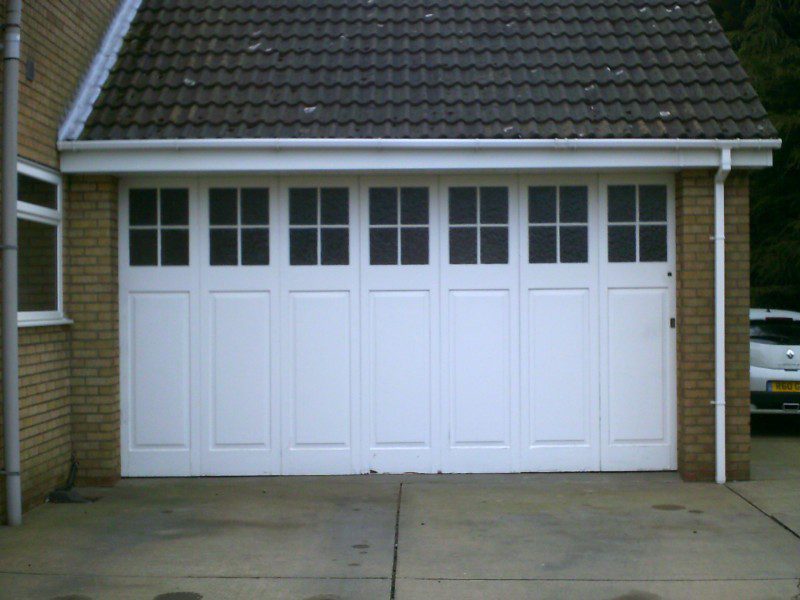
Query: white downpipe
{"type": "Point", "coordinates": [719, 309]}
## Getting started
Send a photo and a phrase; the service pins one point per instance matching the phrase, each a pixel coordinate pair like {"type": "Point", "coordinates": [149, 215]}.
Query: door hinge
{"type": "Point", "coordinates": [672, 323]}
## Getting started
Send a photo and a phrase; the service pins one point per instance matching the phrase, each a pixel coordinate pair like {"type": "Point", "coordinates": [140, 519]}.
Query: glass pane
{"type": "Point", "coordinates": [302, 246]}
{"type": "Point", "coordinates": [574, 205]}
{"type": "Point", "coordinates": [652, 243]}
{"type": "Point", "coordinates": [37, 192]}
{"type": "Point", "coordinates": [38, 266]}
{"type": "Point", "coordinates": [382, 246]}
{"type": "Point", "coordinates": [622, 243]}
{"type": "Point", "coordinates": [621, 203]}
{"type": "Point", "coordinates": [223, 247]}
{"type": "Point", "coordinates": [653, 203]}
{"type": "Point", "coordinates": [383, 206]}
{"type": "Point", "coordinates": [222, 206]}
{"type": "Point", "coordinates": [776, 331]}
{"type": "Point", "coordinates": [494, 245]}
{"type": "Point", "coordinates": [542, 204]}
{"type": "Point", "coordinates": [463, 203]}
{"type": "Point", "coordinates": [143, 247]}
{"type": "Point", "coordinates": [255, 246]}
{"type": "Point", "coordinates": [542, 244]}
{"type": "Point", "coordinates": [142, 207]}
{"type": "Point", "coordinates": [174, 206]}
{"type": "Point", "coordinates": [255, 206]}
{"type": "Point", "coordinates": [414, 206]}
{"type": "Point", "coordinates": [414, 245]}
{"type": "Point", "coordinates": [174, 247]}
{"type": "Point", "coordinates": [494, 205]}
{"type": "Point", "coordinates": [303, 207]}
{"type": "Point", "coordinates": [463, 245]}
{"type": "Point", "coordinates": [334, 207]}
{"type": "Point", "coordinates": [335, 250]}
{"type": "Point", "coordinates": [574, 244]}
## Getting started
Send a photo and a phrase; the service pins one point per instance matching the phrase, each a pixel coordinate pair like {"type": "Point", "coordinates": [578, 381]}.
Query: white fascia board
{"type": "Point", "coordinates": [329, 155]}
{"type": "Point", "coordinates": [98, 72]}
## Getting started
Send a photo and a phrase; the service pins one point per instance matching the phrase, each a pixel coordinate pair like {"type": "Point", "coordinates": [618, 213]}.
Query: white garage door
{"type": "Point", "coordinates": [395, 323]}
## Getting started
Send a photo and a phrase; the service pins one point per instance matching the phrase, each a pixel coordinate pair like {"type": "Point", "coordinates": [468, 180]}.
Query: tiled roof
{"type": "Point", "coordinates": [426, 69]}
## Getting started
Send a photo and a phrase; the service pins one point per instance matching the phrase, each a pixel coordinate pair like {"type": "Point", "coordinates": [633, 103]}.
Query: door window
{"type": "Point", "coordinates": [558, 230]}
{"type": "Point", "coordinates": [238, 226]}
{"type": "Point", "coordinates": [159, 227]}
{"type": "Point", "coordinates": [637, 223]}
{"type": "Point", "coordinates": [398, 226]}
{"type": "Point", "coordinates": [478, 225]}
{"type": "Point", "coordinates": [318, 226]}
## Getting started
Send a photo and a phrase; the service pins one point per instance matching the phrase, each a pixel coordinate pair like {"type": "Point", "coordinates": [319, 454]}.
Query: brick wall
{"type": "Point", "coordinates": [695, 304]}
{"type": "Point", "coordinates": [59, 40]}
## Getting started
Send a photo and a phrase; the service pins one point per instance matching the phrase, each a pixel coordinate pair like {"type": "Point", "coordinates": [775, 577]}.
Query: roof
{"type": "Point", "coordinates": [419, 69]}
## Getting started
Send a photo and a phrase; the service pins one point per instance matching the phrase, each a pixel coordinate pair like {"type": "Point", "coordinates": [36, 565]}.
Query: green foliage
{"type": "Point", "coordinates": [766, 36]}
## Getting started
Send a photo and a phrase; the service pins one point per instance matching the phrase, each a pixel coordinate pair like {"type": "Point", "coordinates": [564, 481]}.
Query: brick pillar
{"type": "Point", "coordinates": [695, 307]}
{"type": "Point", "coordinates": [91, 300]}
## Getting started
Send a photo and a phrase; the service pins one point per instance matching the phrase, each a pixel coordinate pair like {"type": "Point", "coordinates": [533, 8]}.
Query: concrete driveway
{"type": "Point", "coordinates": [623, 536]}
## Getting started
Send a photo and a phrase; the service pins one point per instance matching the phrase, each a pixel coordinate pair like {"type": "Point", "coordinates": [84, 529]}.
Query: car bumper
{"type": "Point", "coordinates": [774, 403]}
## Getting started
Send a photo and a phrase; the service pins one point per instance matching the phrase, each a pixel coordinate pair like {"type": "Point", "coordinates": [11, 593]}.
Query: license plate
{"type": "Point", "coordinates": [785, 386]}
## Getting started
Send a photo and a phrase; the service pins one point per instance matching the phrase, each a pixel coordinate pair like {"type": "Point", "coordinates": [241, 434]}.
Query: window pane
{"type": "Point", "coordinates": [143, 247]}
{"type": "Point", "coordinates": [334, 206]}
{"type": "Point", "coordinates": [542, 204]}
{"type": "Point", "coordinates": [414, 245]}
{"type": "Point", "coordinates": [303, 207]}
{"type": "Point", "coordinates": [653, 203]}
{"type": "Point", "coordinates": [335, 246]}
{"type": "Point", "coordinates": [382, 206]}
{"type": "Point", "coordinates": [622, 243]}
{"type": "Point", "coordinates": [255, 246]}
{"type": "Point", "coordinates": [175, 247]}
{"type": "Point", "coordinates": [302, 246]}
{"type": "Point", "coordinates": [542, 244]}
{"type": "Point", "coordinates": [222, 206]}
{"type": "Point", "coordinates": [463, 203]}
{"type": "Point", "coordinates": [255, 206]}
{"type": "Point", "coordinates": [652, 243]}
{"type": "Point", "coordinates": [494, 205]}
{"type": "Point", "coordinates": [223, 247]}
{"type": "Point", "coordinates": [574, 244]}
{"type": "Point", "coordinates": [621, 203]}
{"type": "Point", "coordinates": [142, 207]}
{"type": "Point", "coordinates": [414, 206]}
{"type": "Point", "coordinates": [38, 266]}
{"type": "Point", "coordinates": [573, 207]}
{"type": "Point", "coordinates": [174, 207]}
{"type": "Point", "coordinates": [494, 245]}
{"type": "Point", "coordinates": [36, 191]}
{"type": "Point", "coordinates": [463, 245]}
{"type": "Point", "coordinates": [382, 246]}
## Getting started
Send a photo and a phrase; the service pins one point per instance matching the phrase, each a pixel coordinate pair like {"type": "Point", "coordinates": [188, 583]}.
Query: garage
{"type": "Point", "coordinates": [440, 322]}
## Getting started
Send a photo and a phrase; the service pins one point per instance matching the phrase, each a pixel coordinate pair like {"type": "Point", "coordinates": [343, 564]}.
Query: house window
{"type": "Point", "coordinates": [637, 223]}
{"type": "Point", "coordinates": [159, 227]}
{"type": "Point", "coordinates": [39, 243]}
{"type": "Point", "coordinates": [318, 226]}
{"type": "Point", "coordinates": [558, 230]}
{"type": "Point", "coordinates": [398, 226]}
{"type": "Point", "coordinates": [478, 225]}
{"type": "Point", "coordinates": [239, 226]}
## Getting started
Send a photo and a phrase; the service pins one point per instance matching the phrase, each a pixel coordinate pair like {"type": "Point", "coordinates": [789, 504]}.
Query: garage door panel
{"type": "Point", "coordinates": [480, 385]}
{"type": "Point", "coordinates": [637, 382]}
{"type": "Point", "coordinates": [560, 367]}
{"type": "Point", "coordinates": [320, 357]}
{"type": "Point", "coordinates": [240, 370]}
{"type": "Point", "coordinates": [160, 368]}
{"type": "Point", "coordinates": [400, 358]}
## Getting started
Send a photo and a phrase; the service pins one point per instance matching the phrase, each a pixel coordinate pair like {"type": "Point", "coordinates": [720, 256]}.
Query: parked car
{"type": "Point", "coordinates": [774, 361]}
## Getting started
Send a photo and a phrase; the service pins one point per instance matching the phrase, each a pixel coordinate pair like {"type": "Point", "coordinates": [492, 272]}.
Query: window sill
{"type": "Point", "coordinates": [51, 322]}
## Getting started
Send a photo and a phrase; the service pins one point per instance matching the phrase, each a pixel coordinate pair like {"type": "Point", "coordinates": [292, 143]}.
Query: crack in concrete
{"type": "Point", "coordinates": [763, 512]}
{"type": "Point", "coordinates": [396, 541]}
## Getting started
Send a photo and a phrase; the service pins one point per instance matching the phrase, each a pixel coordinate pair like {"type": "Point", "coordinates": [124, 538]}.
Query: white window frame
{"type": "Point", "coordinates": [48, 216]}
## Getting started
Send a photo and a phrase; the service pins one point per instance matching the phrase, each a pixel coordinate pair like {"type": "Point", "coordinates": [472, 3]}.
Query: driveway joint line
{"type": "Point", "coordinates": [763, 512]}
{"type": "Point", "coordinates": [396, 541]}
{"type": "Point", "coordinates": [599, 580]}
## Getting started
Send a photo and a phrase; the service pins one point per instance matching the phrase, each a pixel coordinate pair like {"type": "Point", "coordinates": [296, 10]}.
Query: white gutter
{"type": "Point", "coordinates": [416, 144]}
{"type": "Point", "coordinates": [719, 310]}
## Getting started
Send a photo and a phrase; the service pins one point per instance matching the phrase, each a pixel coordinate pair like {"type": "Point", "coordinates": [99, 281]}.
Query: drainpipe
{"type": "Point", "coordinates": [719, 309]}
{"type": "Point", "coordinates": [13, 26]}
